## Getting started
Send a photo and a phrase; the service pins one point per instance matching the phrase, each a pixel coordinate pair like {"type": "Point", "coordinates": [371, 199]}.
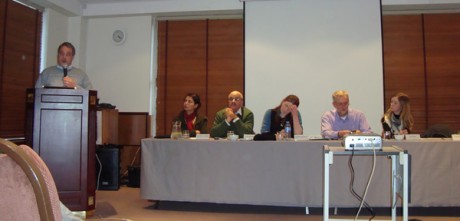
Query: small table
{"type": "Point", "coordinates": [399, 168]}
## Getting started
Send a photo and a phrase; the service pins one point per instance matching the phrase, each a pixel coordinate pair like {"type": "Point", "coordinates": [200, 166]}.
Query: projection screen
{"type": "Point", "coordinates": [311, 48]}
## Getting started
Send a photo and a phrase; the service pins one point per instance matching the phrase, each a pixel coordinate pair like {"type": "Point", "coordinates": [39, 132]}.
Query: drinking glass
{"type": "Point", "coordinates": [185, 134]}
{"type": "Point", "coordinates": [229, 134]}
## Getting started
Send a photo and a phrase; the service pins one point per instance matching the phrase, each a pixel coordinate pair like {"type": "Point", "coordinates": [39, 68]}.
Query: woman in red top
{"type": "Point", "coordinates": [189, 117]}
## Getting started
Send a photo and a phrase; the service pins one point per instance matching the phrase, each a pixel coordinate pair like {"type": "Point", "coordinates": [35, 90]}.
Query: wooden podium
{"type": "Point", "coordinates": [61, 128]}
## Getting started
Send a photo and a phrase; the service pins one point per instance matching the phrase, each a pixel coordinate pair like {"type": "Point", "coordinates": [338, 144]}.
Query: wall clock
{"type": "Point", "coordinates": [118, 37]}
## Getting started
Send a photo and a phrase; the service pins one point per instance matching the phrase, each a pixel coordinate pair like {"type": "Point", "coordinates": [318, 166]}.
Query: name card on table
{"type": "Point", "coordinates": [299, 137]}
{"type": "Point", "coordinates": [248, 137]}
{"type": "Point", "coordinates": [456, 137]}
{"type": "Point", "coordinates": [202, 136]}
{"type": "Point", "coordinates": [412, 136]}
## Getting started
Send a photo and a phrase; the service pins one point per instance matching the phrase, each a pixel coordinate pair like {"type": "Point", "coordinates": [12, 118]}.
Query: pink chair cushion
{"type": "Point", "coordinates": [17, 197]}
{"type": "Point", "coordinates": [51, 186]}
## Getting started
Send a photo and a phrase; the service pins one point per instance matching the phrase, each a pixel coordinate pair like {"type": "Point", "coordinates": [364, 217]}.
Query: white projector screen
{"type": "Point", "coordinates": [312, 48]}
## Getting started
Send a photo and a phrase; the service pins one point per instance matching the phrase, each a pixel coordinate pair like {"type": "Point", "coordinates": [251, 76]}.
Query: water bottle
{"type": "Point", "coordinates": [387, 135]}
{"type": "Point", "coordinates": [288, 129]}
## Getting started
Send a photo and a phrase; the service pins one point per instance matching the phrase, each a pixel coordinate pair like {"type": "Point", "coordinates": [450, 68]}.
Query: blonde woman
{"type": "Point", "coordinates": [398, 119]}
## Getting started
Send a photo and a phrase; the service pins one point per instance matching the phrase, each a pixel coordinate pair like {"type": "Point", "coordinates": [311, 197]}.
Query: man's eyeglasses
{"type": "Point", "coordinates": [234, 99]}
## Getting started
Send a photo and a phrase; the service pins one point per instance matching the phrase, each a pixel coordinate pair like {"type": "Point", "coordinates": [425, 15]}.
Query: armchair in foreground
{"type": "Point", "coordinates": [28, 189]}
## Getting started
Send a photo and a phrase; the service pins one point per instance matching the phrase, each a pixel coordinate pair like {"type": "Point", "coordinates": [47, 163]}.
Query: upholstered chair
{"type": "Point", "coordinates": [27, 189]}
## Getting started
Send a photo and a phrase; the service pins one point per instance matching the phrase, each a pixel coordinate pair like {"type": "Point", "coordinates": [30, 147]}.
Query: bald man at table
{"type": "Point", "coordinates": [235, 117]}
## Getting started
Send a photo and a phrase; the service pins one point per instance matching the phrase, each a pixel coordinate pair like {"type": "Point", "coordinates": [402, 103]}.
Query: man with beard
{"type": "Point", "coordinates": [234, 118]}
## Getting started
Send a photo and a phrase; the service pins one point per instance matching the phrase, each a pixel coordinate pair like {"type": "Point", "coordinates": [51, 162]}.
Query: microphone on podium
{"type": "Point", "coordinates": [65, 70]}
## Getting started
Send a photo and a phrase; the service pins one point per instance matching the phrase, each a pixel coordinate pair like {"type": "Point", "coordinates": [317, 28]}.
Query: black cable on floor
{"type": "Point", "coordinates": [352, 190]}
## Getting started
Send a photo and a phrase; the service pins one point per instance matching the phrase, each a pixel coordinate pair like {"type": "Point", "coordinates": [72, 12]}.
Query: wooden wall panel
{"type": "Point", "coordinates": [442, 42]}
{"type": "Point", "coordinates": [421, 58]}
{"type": "Point", "coordinates": [3, 4]}
{"type": "Point", "coordinates": [132, 128]}
{"type": "Point", "coordinates": [109, 126]}
{"type": "Point", "coordinates": [186, 65]}
{"type": "Point", "coordinates": [204, 57]}
{"type": "Point", "coordinates": [404, 63]}
{"type": "Point", "coordinates": [161, 78]}
{"type": "Point", "coordinates": [226, 54]}
{"type": "Point", "coordinates": [21, 28]}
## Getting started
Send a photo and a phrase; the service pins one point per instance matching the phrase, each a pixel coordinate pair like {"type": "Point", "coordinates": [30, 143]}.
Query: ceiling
{"type": "Point", "coordinates": [130, 7]}
{"type": "Point", "coordinates": [113, 1]}
{"type": "Point", "coordinates": [388, 6]}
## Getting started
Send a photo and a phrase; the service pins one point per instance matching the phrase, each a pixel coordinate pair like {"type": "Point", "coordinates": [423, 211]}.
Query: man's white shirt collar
{"type": "Point", "coordinates": [62, 68]}
{"type": "Point", "coordinates": [239, 112]}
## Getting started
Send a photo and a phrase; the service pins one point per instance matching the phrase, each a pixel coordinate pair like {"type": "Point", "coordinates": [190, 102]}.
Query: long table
{"type": "Point", "coordinates": [290, 173]}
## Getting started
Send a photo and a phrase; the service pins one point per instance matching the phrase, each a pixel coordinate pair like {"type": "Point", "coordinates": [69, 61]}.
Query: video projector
{"type": "Point", "coordinates": [362, 142]}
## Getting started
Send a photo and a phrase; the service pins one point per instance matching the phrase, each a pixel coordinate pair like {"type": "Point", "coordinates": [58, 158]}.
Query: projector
{"type": "Point", "coordinates": [362, 142]}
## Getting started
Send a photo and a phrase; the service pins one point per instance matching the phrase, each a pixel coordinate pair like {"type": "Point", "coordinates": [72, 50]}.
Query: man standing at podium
{"type": "Point", "coordinates": [64, 74]}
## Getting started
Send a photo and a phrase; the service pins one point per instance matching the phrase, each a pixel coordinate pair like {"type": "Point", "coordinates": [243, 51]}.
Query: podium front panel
{"type": "Point", "coordinates": [60, 145]}
{"type": "Point", "coordinates": [62, 123]}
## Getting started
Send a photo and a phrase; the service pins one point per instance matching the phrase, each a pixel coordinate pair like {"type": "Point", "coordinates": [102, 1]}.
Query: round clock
{"type": "Point", "coordinates": [118, 37]}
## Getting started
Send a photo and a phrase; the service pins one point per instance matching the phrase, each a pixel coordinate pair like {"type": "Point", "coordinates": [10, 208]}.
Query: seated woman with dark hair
{"type": "Point", "coordinates": [398, 119]}
{"type": "Point", "coordinates": [275, 119]}
{"type": "Point", "coordinates": [189, 117]}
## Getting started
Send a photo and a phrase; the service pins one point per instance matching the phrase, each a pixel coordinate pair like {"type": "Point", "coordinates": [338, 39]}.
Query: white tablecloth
{"type": "Point", "coordinates": [290, 173]}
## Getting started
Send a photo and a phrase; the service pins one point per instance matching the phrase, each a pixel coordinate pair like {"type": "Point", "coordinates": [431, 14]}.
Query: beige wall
{"type": "Point", "coordinates": [121, 73]}
{"type": "Point", "coordinates": [55, 25]}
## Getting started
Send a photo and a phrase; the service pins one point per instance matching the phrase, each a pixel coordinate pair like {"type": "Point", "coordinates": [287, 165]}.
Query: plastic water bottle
{"type": "Point", "coordinates": [288, 129]}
